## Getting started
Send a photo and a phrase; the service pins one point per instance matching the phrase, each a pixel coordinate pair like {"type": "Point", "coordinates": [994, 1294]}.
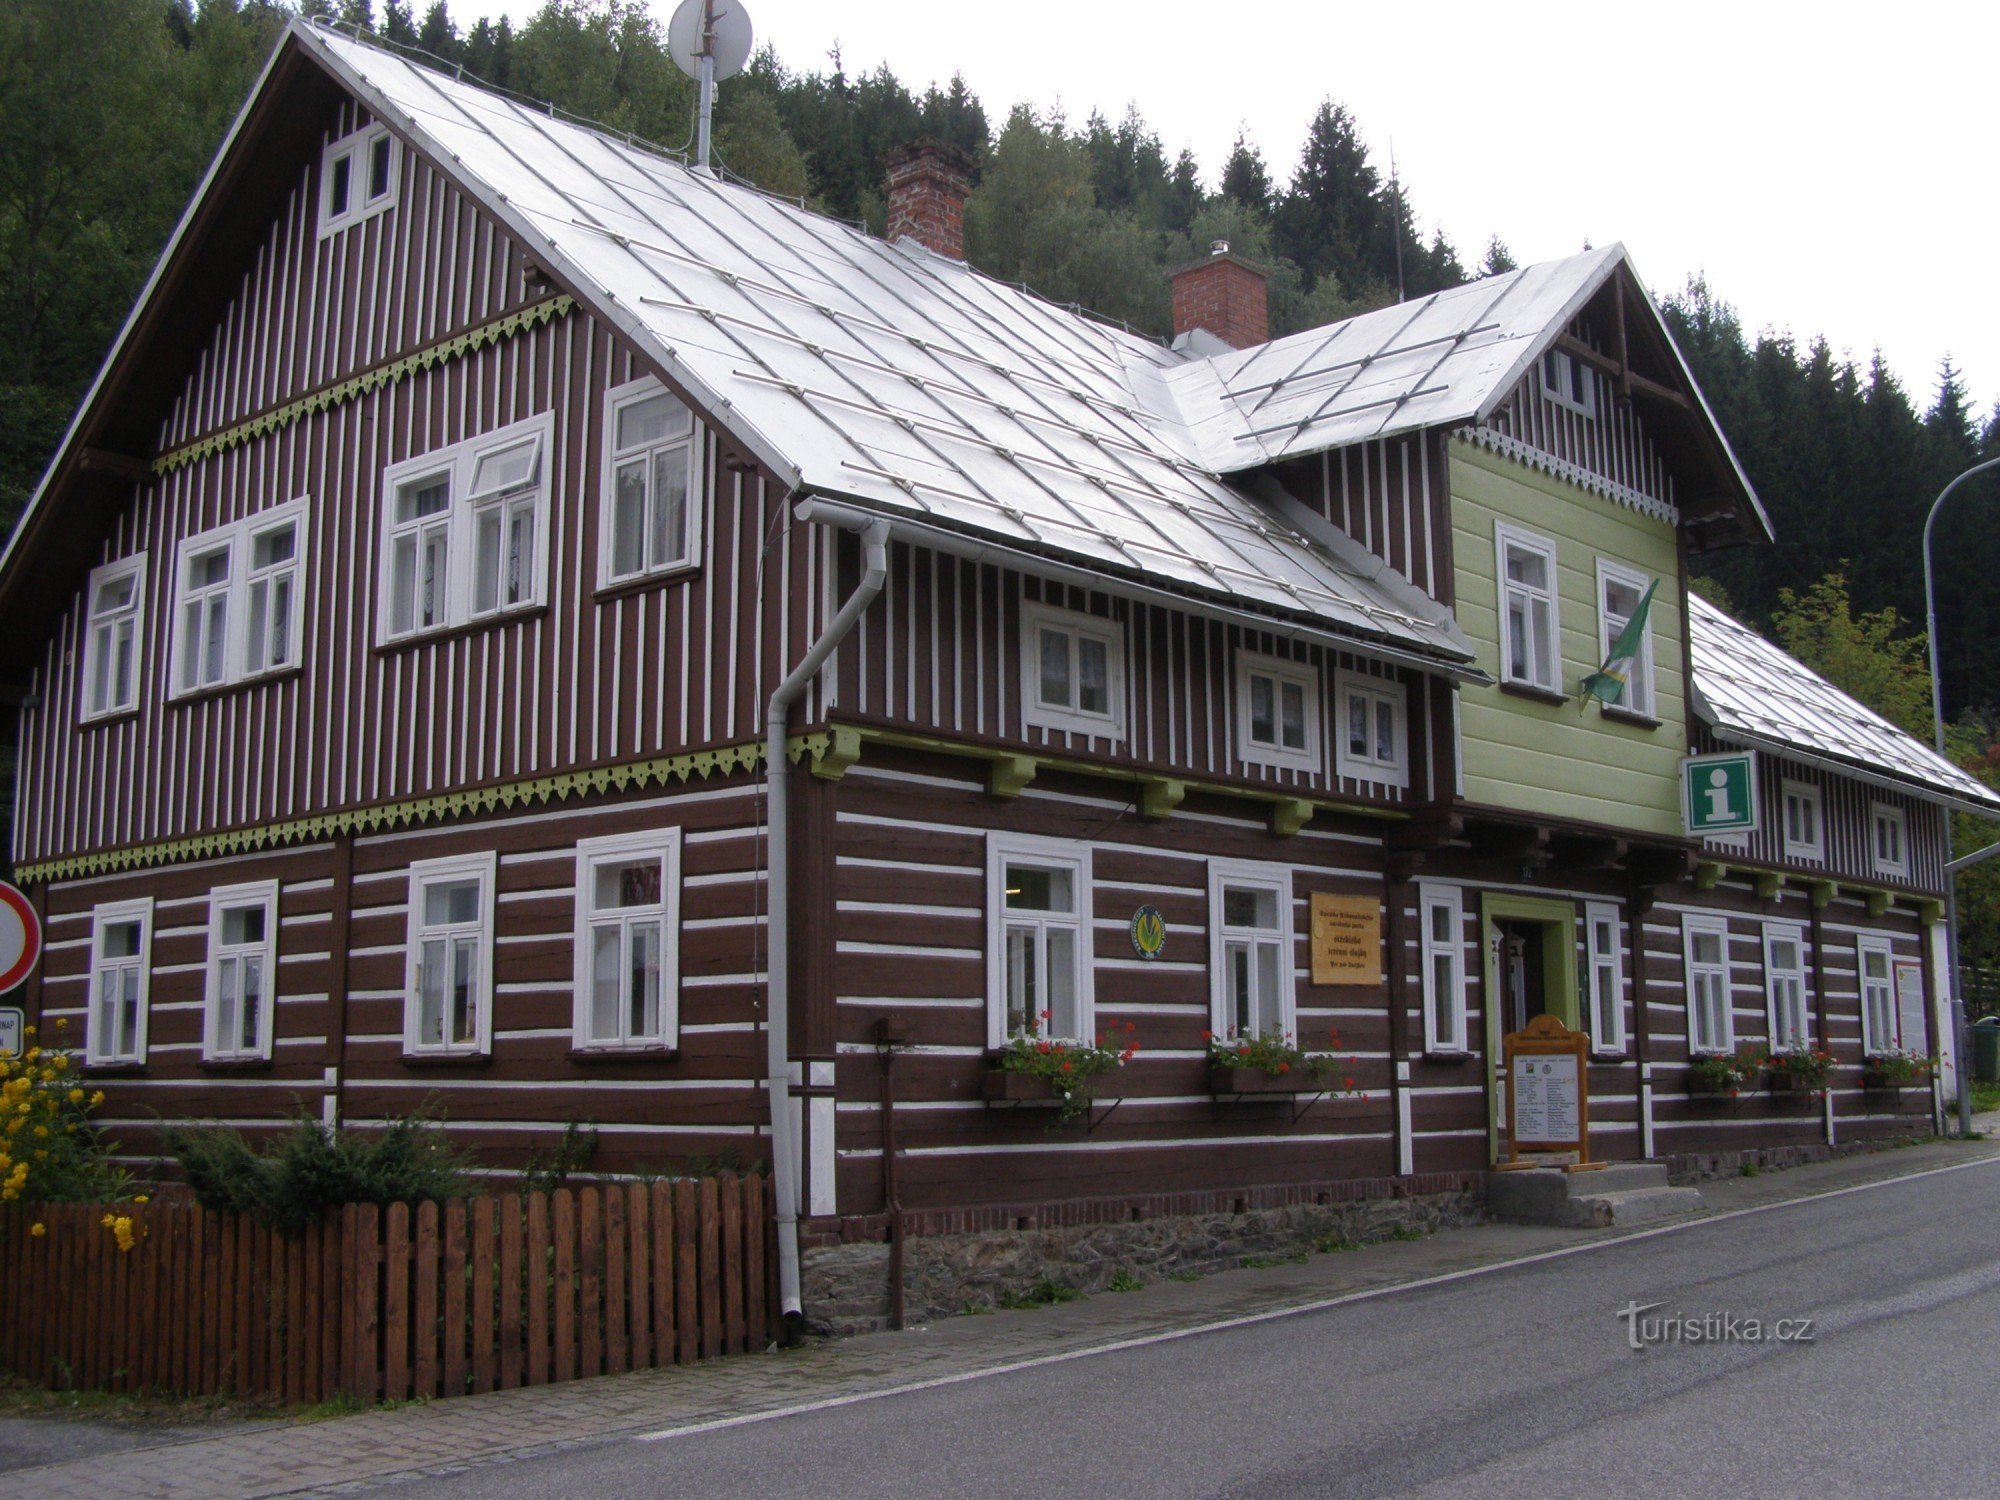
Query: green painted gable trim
{"type": "Point", "coordinates": [430, 357]}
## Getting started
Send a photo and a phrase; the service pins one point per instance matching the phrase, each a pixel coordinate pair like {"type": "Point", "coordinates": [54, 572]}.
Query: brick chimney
{"type": "Point", "coordinates": [1225, 295]}
{"type": "Point", "coordinates": [928, 181]}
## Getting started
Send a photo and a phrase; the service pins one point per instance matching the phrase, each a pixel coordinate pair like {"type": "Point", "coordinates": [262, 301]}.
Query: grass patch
{"type": "Point", "coordinates": [1183, 1275]}
{"type": "Point", "coordinates": [1406, 1233]}
{"type": "Point", "coordinates": [1749, 1169]}
{"type": "Point", "coordinates": [1124, 1281]}
{"type": "Point", "coordinates": [1334, 1244]}
{"type": "Point", "coordinates": [1041, 1294]}
{"type": "Point", "coordinates": [1985, 1096]}
{"type": "Point", "coordinates": [1265, 1262]}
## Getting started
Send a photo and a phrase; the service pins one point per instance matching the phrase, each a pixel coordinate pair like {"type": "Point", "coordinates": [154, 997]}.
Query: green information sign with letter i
{"type": "Point", "coordinates": [1719, 793]}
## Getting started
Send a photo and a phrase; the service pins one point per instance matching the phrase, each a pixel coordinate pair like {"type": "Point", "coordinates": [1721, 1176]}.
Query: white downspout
{"type": "Point", "coordinates": [785, 1177]}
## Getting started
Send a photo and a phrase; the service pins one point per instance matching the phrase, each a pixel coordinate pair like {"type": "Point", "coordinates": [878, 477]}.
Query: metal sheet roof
{"type": "Point", "coordinates": [1748, 689]}
{"type": "Point", "coordinates": [1443, 359]}
{"type": "Point", "coordinates": [884, 373]}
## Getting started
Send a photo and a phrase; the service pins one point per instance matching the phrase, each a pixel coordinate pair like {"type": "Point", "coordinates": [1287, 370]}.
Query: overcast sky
{"type": "Point", "coordinates": [1829, 167]}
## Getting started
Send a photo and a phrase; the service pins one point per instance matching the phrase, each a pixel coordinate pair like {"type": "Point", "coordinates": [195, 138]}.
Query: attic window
{"type": "Point", "coordinates": [358, 175]}
{"type": "Point", "coordinates": [1568, 383]}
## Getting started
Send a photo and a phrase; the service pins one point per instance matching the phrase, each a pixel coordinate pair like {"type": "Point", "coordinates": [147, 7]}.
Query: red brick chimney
{"type": "Point", "coordinates": [1225, 295]}
{"type": "Point", "coordinates": [928, 181]}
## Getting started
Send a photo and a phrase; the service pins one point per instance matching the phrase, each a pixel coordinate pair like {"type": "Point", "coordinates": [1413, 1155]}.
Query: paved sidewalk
{"type": "Point", "coordinates": [360, 1451]}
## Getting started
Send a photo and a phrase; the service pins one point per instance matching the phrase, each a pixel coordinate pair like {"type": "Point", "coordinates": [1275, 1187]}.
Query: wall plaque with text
{"type": "Point", "coordinates": [1346, 939]}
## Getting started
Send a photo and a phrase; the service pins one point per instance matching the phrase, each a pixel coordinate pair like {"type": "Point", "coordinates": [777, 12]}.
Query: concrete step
{"type": "Point", "coordinates": [1623, 1193]}
{"type": "Point", "coordinates": [1641, 1206]}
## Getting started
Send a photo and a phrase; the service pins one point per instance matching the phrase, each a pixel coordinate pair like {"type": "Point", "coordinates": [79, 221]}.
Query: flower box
{"type": "Point", "coordinates": [1223, 1080]}
{"type": "Point", "coordinates": [1713, 1083]}
{"type": "Point", "coordinates": [1004, 1087]}
{"type": "Point", "coordinates": [1885, 1080]}
{"type": "Point", "coordinates": [1779, 1081]}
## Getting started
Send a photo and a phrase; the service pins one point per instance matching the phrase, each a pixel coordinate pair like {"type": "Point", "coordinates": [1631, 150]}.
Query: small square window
{"type": "Point", "coordinates": [1277, 712]}
{"type": "Point", "coordinates": [1889, 840]}
{"type": "Point", "coordinates": [358, 175]}
{"type": "Point", "coordinates": [1805, 829]}
{"type": "Point", "coordinates": [1072, 672]}
{"type": "Point", "coordinates": [1569, 383]}
{"type": "Point", "coordinates": [1371, 740]}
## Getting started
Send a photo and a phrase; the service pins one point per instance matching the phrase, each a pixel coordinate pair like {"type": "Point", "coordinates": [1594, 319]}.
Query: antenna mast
{"type": "Point", "coordinates": [709, 40]}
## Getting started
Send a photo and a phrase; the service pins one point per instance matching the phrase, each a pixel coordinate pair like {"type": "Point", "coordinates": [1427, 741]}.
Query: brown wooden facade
{"type": "Point", "coordinates": [600, 711]}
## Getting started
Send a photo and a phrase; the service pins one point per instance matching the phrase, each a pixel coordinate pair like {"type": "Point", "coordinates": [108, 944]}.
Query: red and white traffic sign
{"type": "Point", "coordinates": [20, 937]}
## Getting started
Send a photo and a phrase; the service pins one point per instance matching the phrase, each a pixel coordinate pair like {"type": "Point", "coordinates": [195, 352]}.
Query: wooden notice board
{"type": "Point", "coordinates": [1548, 1090]}
{"type": "Point", "coordinates": [1346, 939]}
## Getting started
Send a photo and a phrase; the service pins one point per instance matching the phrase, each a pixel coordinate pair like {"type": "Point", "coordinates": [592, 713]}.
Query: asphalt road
{"type": "Point", "coordinates": [1515, 1382]}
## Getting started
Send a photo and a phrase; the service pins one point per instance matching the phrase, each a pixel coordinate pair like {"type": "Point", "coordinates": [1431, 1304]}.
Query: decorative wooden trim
{"type": "Point", "coordinates": [505, 796]}
{"type": "Point", "coordinates": [1160, 795]}
{"type": "Point", "coordinates": [1769, 884]}
{"type": "Point", "coordinates": [1010, 774]}
{"type": "Point", "coordinates": [1561, 468]}
{"type": "Point", "coordinates": [843, 749]}
{"type": "Point", "coordinates": [443, 352]}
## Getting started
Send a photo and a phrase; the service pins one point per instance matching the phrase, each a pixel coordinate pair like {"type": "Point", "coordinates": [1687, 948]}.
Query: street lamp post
{"type": "Point", "coordinates": [1937, 730]}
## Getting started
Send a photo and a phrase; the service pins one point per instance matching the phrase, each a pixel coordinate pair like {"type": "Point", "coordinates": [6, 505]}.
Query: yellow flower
{"type": "Point", "coordinates": [76, 1096]}
{"type": "Point", "coordinates": [142, 1198]}
{"type": "Point", "coordinates": [97, 1098]}
{"type": "Point", "coordinates": [38, 1229]}
{"type": "Point", "coordinates": [108, 1220]}
{"type": "Point", "coordinates": [41, 1132]}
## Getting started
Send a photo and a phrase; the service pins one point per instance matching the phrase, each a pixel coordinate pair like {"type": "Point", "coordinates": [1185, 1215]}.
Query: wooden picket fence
{"type": "Point", "coordinates": [482, 1294]}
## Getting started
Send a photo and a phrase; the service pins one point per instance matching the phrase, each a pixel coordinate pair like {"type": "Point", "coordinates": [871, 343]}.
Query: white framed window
{"type": "Point", "coordinates": [464, 531]}
{"type": "Point", "coordinates": [1785, 983]}
{"type": "Point", "coordinates": [115, 604]}
{"type": "Point", "coordinates": [1530, 623]}
{"type": "Point", "coordinates": [1277, 712]}
{"type": "Point", "coordinates": [628, 941]}
{"type": "Point", "coordinates": [1889, 839]}
{"type": "Point", "coordinates": [358, 175]}
{"type": "Point", "coordinates": [1039, 973]}
{"type": "Point", "coordinates": [1567, 381]}
{"type": "Point", "coordinates": [121, 943]}
{"type": "Point", "coordinates": [1371, 735]}
{"type": "Point", "coordinates": [1251, 976]}
{"type": "Point", "coordinates": [1874, 957]}
{"type": "Point", "coordinates": [1072, 671]}
{"type": "Point", "coordinates": [1620, 590]}
{"type": "Point", "coordinates": [1443, 914]}
{"type": "Point", "coordinates": [1805, 826]}
{"type": "Point", "coordinates": [1605, 976]}
{"type": "Point", "coordinates": [650, 521]}
{"type": "Point", "coordinates": [242, 972]}
{"type": "Point", "coordinates": [1705, 951]}
{"type": "Point", "coordinates": [448, 966]}
{"type": "Point", "coordinates": [238, 600]}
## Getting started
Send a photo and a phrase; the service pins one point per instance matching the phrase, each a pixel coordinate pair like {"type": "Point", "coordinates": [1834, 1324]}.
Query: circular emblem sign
{"type": "Point", "coordinates": [20, 937]}
{"type": "Point", "coordinates": [1149, 932]}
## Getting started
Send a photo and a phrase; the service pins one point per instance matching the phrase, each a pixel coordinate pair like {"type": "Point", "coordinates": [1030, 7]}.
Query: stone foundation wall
{"type": "Point", "coordinates": [1700, 1166]}
{"type": "Point", "coordinates": [846, 1285]}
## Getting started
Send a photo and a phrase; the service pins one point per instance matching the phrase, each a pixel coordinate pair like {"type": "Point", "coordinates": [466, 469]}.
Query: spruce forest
{"type": "Point", "coordinates": [111, 109]}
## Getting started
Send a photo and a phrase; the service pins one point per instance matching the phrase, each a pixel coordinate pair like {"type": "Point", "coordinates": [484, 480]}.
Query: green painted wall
{"type": "Point", "coordinates": [1550, 758]}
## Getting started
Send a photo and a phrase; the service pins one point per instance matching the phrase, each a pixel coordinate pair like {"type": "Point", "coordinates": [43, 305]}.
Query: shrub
{"type": "Point", "coordinates": [292, 1182]}
{"type": "Point", "coordinates": [49, 1150]}
{"type": "Point", "coordinates": [1275, 1053]}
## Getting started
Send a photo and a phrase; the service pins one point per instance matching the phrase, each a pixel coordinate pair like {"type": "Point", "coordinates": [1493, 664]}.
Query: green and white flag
{"type": "Point", "coordinates": [1608, 683]}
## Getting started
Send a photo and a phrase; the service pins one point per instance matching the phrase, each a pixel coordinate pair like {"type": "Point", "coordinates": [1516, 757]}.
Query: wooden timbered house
{"type": "Point", "coordinates": [478, 509]}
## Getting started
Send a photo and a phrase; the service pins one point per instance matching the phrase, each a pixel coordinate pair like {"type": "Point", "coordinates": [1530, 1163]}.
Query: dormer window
{"type": "Point", "coordinates": [1277, 712]}
{"type": "Point", "coordinates": [1567, 381]}
{"type": "Point", "coordinates": [1073, 672]}
{"type": "Point", "coordinates": [358, 175]}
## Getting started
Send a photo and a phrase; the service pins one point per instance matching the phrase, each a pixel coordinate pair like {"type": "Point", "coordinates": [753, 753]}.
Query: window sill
{"type": "Point", "coordinates": [1630, 716]}
{"type": "Point", "coordinates": [447, 1059]}
{"type": "Point", "coordinates": [644, 583]}
{"type": "Point", "coordinates": [1281, 760]}
{"type": "Point", "coordinates": [1531, 690]}
{"type": "Point", "coordinates": [404, 643]}
{"type": "Point", "coordinates": [1608, 1055]}
{"type": "Point", "coordinates": [223, 689]}
{"type": "Point", "coordinates": [85, 724]}
{"type": "Point", "coordinates": [113, 1068]}
{"type": "Point", "coordinates": [1097, 729]}
{"type": "Point", "coordinates": [592, 1055]}
{"type": "Point", "coordinates": [1394, 776]}
{"type": "Point", "coordinates": [236, 1065]}
{"type": "Point", "coordinates": [1447, 1055]}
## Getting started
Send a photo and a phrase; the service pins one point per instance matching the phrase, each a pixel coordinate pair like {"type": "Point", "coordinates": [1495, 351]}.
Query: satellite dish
{"type": "Point", "coordinates": [726, 41]}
